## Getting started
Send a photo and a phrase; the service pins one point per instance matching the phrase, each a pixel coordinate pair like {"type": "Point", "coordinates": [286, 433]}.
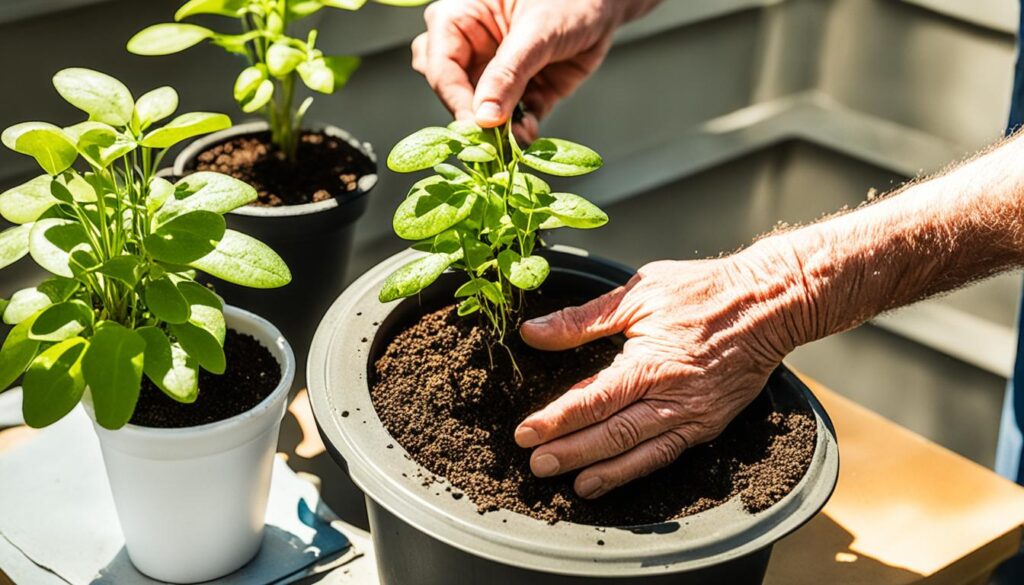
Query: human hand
{"type": "Point", "coordinates": [482, 57]}
{"type": "Point", "coordinates": [703, 338]}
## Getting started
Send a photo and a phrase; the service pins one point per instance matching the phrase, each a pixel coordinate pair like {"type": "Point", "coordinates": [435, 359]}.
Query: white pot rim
{"type": "Point", "coordinates": [239, 427]}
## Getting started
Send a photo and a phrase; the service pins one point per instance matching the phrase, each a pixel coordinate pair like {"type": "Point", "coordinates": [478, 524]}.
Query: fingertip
{"type": "Point", "coordinates": [527, 437]}
{"type": "Point", "coordinates": [589, 487]}
{"type": "Point", "coordinates": [489, 115]}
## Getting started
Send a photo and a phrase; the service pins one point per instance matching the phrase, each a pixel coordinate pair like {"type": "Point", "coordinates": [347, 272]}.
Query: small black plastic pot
{"type": "Point", "coordinates": [421, 538]}
{"type": "Point", "coordinates": [314, 239]}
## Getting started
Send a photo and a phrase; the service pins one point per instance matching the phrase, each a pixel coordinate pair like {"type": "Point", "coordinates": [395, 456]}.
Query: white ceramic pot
{"type": "Point", "coordinates": [192, 501]}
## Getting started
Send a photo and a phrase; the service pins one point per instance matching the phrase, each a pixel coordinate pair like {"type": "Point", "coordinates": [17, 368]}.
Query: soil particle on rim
{"type": "Point", "coordinates": [252, 374]}
{"type": "Point", "coordinates": [440, 398]}
{"type": "Point", "coordinates": [327, 167]}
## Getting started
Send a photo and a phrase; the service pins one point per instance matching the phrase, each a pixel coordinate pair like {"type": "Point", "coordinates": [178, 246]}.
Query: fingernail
{"type": "Point", "coordinates": [539, 321]}
{"type": "Point", "coordinates": [489, 112]}
{"type": "Point", "coordinates": [527, 437]}
{"type": "Point", "coordinates": [544, 466]}
{"type": "Point", "coordinates": [589, 487]}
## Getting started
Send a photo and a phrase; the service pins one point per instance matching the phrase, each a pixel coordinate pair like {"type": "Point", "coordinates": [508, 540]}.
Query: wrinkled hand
{"type": "Point", "coordinates": [482, 56]}
{"type": "Point", "coordinates": [702, 339]}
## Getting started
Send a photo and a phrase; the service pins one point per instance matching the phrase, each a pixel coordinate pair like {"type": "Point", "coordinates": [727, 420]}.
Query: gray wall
{"type": "Point", "coordinates": [717, 119]}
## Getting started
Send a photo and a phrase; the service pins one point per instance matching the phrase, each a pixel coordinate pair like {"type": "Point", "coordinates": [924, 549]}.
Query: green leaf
{"type": "Point", "coordinates": [259, 98]}
{"type": "Point", "coordinates": [469, 130]}
{"type": "Point", "coordinates": [126, 268]}
{"type": "Point", "coordinates": [58, 288]}
{"type": "Point", "coordinates": [471, 288]}
{"type": "Point", "coordinates": [233, 8]}
{"type": "Point", "coordinates": [302, 8]}
{"type": "Point", "coordinates": [424, 149]}
{"type": "Point", "coordinates": [316, 75]}
{"type": "Point", "coordinates": [576, 212]}
{"type": "Point", "coordinates": [468, 307]}
{"type": "Point", "coordinates": [101, 96]}
{"type": "Point", "coordinates": [14, 244]}
{"type": "Point", "coordinates": [112, 367]}
{"type": "Point", "coordinates": [91, 133]}
{"type": "Point", "coordinates": [167, 38]}
{"type": "Point", "coordinates": [160, 191]}
{"type": "Point", "coordinates": [561, 157]}
{"type": "Point", "coordinates": [206, 191]}
{"type": "Point", "coordinates": [432, 206]}
{"type": "Point", "coordinates": [201, 345]}
{"type": "Point", "coordinates": [54, 383]}
{"type": "Point", "coordinates": [342, 67]}
{"type": "Point", "coordinates": [245, 261]}
{"type": "Point", "coordinates": [17, 353]}
{"type": "Point", "coordinates": [62, 321]}
{"type": "Point", "coordinates": [165, 301]}
{"type": "Point", "coordinates": [51, 242]}
{"type": "Point", "coordinates": [526, 273]}
{"type": "Point", "coordinates": [46, 143]}
{"type": "Point", "coordinates": [478, 153]}
{"type": "Point", "coordinates": [452, 173]}
{"type": "Point", "coordinates": [477, 253]}
{"type": "Point", "coordinates": [184, 127]}
{"type": "Point", "coordinates": [282, 58]}
{"type": "Point", "coordinates": [26, 202]}
{"type": "Point", "coordinates": [186, 237]}
{"type": "Point", "coordinates": [198, 295]}
{"type": "Point", "coordinates": [169, 366]}
{"type": "Point", "coordinates": [344, 4]}
{"type": "Point", "coordinates": [415, 276]}
{"type": "Point", "coordinates": [248, 80]}
{"type": "Point", "coordinates": [82, 260]}
{"type": "Point", "coordinates": [24, 304]}
{"type": "Point", "coordinates": [156, 105]}
{"type": "Point", "coordinates": [211, 320]}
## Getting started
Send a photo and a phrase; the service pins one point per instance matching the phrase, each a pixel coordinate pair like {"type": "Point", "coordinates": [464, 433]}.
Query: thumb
{"type": "Point", "coordinates": [521, 56]}
{"type": "Point", "coordinates": [574, 326]}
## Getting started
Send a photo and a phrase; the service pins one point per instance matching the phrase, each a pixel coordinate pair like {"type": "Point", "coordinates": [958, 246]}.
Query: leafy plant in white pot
{"type": "Point", "coordinates": [122, 325]}
{"type": "Point", "coordinates": [313, 180]}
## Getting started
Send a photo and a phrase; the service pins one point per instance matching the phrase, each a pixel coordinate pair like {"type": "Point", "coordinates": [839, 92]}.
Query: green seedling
{"type": "Point", "coordinates": [123, 247]}
{"type": "Point", "coordinates": [484, 216]}
{"type": "Point", "coordinates": [275, 59]}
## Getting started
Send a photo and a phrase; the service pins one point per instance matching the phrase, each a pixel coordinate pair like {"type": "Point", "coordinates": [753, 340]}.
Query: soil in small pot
{"type": "Point", "coordinates": [326, 167]}
{"type": "Point", "coordinates": [440, 397]}
{"type": "Point", "coordinates": [252, 374]}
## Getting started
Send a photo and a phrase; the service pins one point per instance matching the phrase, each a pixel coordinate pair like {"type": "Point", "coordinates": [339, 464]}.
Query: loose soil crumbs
{"type": "Point", "coordinates": [326, 167]}
{"type": "Point", "coordinates": [455, 414]}
{"type": "Point", "coordinates": [252, 374]}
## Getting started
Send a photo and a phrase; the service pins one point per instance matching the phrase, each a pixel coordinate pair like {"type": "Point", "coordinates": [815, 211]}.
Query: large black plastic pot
{"type": "Point", "coordinates": [421, 538]}
{"type": "Point", "coordinates": [314, 239]}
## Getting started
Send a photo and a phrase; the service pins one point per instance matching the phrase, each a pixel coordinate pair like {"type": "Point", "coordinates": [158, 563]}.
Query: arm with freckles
{"type": "Point", "coordinates": [703, 336]}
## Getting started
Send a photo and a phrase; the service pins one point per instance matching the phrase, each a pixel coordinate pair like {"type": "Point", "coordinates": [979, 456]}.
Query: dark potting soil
{"type": "Point", "coordinates": [326, 167]}
{"type": "Point", "coordinates": [440, 398]}
{"type": "Point", "coordinates": [252, 374]}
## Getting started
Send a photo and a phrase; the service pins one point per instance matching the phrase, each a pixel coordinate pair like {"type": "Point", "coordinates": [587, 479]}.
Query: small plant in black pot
{"type": "Point", "coordinates": [418, 380]}
{"type": "Point", "coordinates": [176, 383]}
{"type": "Point", "coordinates": [312, 182]}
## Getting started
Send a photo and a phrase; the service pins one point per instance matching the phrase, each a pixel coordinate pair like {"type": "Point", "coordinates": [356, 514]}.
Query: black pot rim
{"type": "Point", "coordinates": [337, 360]}
{"type": "Point", "coordinates": [365, 184]}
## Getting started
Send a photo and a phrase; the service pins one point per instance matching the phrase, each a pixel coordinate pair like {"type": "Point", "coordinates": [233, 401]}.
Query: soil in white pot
{"type": "Point", "coordinates": [326, 167]}
{"type": "Point", "coordinates": [252, 374]}
{"type": "Point", "coordinates": [452, 400]}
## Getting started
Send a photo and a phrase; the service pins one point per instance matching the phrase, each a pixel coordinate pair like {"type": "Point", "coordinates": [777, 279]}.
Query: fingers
{"type": "Point", "coordinates": [644, 459]}
{"type": "Point", "coordinates": [574, 326]}
{"type": "Point", "coordinates": [521, 55]}
{"type": "Point", "coordinates": [621, 432]}
{"type": "Point", "coordinates": [443, 55]}
{"type": "Point", "coordinates": [587, 403]}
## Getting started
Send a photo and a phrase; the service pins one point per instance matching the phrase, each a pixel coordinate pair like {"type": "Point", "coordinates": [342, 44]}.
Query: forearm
{"type": "Point", "coordinates": [931, 237]}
